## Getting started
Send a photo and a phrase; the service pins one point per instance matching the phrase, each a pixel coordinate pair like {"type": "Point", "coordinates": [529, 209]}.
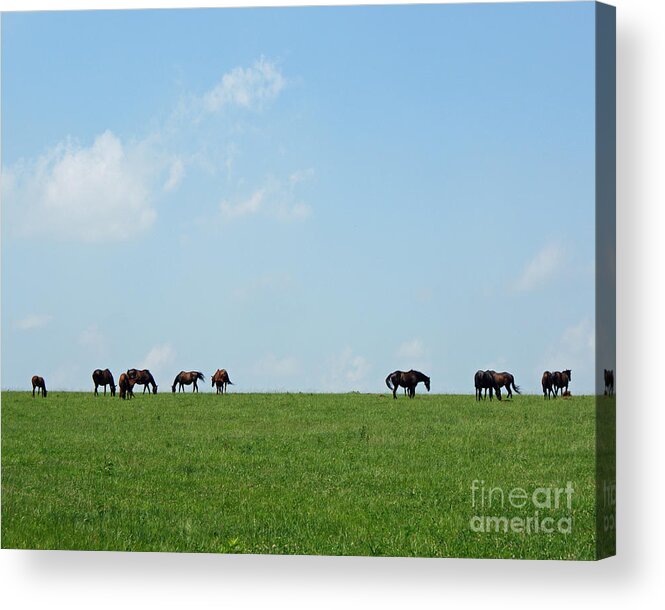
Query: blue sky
{"type": "Point", "coordinates": [308, 197]}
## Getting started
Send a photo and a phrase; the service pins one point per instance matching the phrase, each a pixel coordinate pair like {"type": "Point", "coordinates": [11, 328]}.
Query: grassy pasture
{"type": "Point", "coordinates": [345, 474]}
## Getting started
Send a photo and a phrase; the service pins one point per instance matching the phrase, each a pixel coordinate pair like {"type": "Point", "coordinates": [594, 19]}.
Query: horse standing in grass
{"type": "Point", "coordinates": [126, 386]}
{"type": "Point", "coordinates": [143, 378]}
{"type": "Point", "coordinates": [408, 380]}
{"type": "Point", "coordinates": [484, 380]}
{"type": "Point", "coordinates": [566, 376]}
{"type": "Point", "coordinates": [560, 381]}
{"type": "Point", "coordinates": [221, 380]}
{"type": "Point", "coordinates": [546, 382]}
{"type": "Point", "coordinates": [504, 380]}
{"type": "Point", "coordinates": [182, 379]}
{"type": "Point", "coordinates": [556, 382]}
{"type": "Point", "coordinates": [38, 384]}
{"type": "Point", "coordinates": [609, 382]}
{"type": "Point", "coordinates": [104, 378]}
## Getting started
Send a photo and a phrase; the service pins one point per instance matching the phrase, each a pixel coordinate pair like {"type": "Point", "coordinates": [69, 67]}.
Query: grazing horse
{"type": "Point", "coordinates": [609, 382]}
{"type": "Point", "coordinates": [104, 378]}
{"type": "Point", "coordinates": [126, 386]}
{"type": "Point", "coordinates": [504, 380]}
{"type": "Point", "coordinates": [484, 380]}
{"type": "Point", "coordinates": [143, 378]}
{"type": "Point", "coordinates": [189, 378]}
{"type": "Point", "coordinates": [408, 380]}
{"type": "Point", "coordinates": [40, 385]}
{"type": "Point", "coordinates": [221, 380]}
{"type": "Point", "coordinates": [547, 385]}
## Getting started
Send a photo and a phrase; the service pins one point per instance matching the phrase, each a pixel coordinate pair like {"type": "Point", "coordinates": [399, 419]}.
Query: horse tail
{"type": "Point", "coordinates": [389, 382]}
{"type": "Point", "coordinates": [200, 376]}
{"type": "Point", "coordinates": [515, 387]}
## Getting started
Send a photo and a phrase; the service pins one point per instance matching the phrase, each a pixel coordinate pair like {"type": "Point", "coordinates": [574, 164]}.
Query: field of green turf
{"type": "Point", "coordinates": [345, 474]}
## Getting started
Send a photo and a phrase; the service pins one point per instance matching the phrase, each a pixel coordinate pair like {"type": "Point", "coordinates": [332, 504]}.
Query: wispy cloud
{"type": "Point", "coordinates": [542, 268]}
{"type": "Point", "coordinates": [246, 207]}
{"type": "Point", "coordinates": [93, 339]}
{"type": "Point", "coordinates": [274, 366]}
{"type": "Point", "coordinates": [107, 191]}
{"type": "Point", "coordinates": [411, 350]}
{"type": "Point", "coordinates": [250, 88]}
{"type": "Point", "coordinates": [32, 322]}
{"type": "Point", "coordinates": [346, 371]}
{"type": "Point", "coordinates": [176, 174]}
{"type": "Point", "coordinates": [159, 360]}
{"type": "Point", "coordinates": [275, 199]}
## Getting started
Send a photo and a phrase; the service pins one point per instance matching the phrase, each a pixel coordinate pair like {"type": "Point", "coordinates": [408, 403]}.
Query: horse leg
{"type": "Point", "coordinates": [395, 393]}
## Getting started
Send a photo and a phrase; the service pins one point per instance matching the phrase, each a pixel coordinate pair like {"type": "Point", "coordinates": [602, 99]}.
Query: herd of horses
{"type": "Point", "coordinates": [487, 381]}
{"type": "Point", "coordinates": [493, 382]}
{"type": "Point", "coordinates": [132, 377]}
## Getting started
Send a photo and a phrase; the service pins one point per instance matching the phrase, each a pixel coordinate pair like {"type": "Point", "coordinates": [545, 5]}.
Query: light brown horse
{"type": "Point", "coordinates": [143, 378]}
{"type": "Point", "coordinates": [221, 380]}
{"type": "Point", "coordinates": [39, 384]}
{"type": "Point", "coordinates": [183, 379]}
{"type": "Point", "coordinates": [104, 378]}
{"type": "Point", "coordinates": [505, 380]}
{"type": "Point", "coordinates": [126, 386]}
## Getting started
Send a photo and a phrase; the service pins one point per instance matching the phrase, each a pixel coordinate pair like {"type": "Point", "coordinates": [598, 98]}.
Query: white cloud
{"type": "Point", "coordinates": [176, 174]}
{"type": "Point", "coordinates": [277, 367]}
{"type": "Point", "coordinates": [94, 194]}
{"type": "Point", "coordinates": [346, 371]}
{"type": "Point", "coordinates": [249, 87]}
{"type": "Point", "coordinates": [248, 207]}
{"type": "Point", "coordinates": [411, 350]}
{"type": "Point", "coordinates": [545, 266]}
{"type": "Point", "coordinates": [159, 360]}
{"type": "Point", "coordinates": [276, 199]}
{"type": "Point", "coordinates": [94, 339]}
{"type": "Point", "coordinates": [32, 322]}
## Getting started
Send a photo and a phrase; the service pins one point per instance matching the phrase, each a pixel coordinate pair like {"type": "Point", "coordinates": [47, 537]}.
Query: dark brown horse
{"type": "Point", "coordinates": [408, 380]}
{"type": "Point", "coordinates": [484, 380]}
{"type": "Point", "coordinates": [221, 380]}
{"type": "Point", "coordinates": [560, 381]}
{"type": "Point", "coordinates": [182, 379]}
{"type": "Point", "coordinates": [546, 381]}
{"type": "Point", "coordinates": [40, 385]}
{"type": "Point", "coordinates": [609, 382]}
{"type": "Point", "coordinates": [104, 378]}
{"type": "Point", "coordinates": [126, 386]}
{"type": "Point", "coordinates": [144, 378]}
{"type": "Point", "coordinates": [505, 380]}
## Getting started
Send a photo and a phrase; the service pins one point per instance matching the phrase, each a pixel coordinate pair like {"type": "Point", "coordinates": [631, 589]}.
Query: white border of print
{"type": "Point", "coordinates": [109, 580]}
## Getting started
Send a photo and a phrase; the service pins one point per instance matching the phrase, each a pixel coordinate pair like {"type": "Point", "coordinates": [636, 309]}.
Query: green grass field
{"type": "Point", "coordinates": [346, 474]}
